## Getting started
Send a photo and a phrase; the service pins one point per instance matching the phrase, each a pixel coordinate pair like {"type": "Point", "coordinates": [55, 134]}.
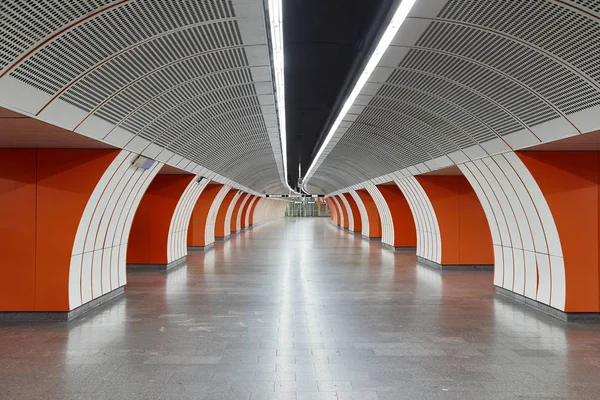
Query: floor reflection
{"type": "Point", "coordinates": [300, 309]}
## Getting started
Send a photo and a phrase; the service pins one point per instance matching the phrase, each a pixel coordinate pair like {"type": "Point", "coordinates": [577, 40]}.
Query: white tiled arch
{"type": "Point", "coordinates": [178, 230]}
{"type": "Point", "coordinates": [227, 228]}
{"type": "Point", "coordinates": [527, 249]}
{"type": "Point", "coordinates": [429, 243]}
{"type": "Point", "coordinates": [98, 260]}
{"type": "Point", "coordinates": [209, 230]}
{"type": "Point", "coordinates": [387, 223]}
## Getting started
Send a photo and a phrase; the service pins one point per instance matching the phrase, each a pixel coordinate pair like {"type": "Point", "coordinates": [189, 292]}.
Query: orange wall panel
{"type": "Point", "coordinates": [43, 193]}
{"type": "Point", "coordinates": [405, 232]}
{"type": "Point", "coordinates": [465, 233]}
{"type": "Point", "coordinates": [149, 236]}
{"type": "Point", "coordinates": [66, 180]}
{"type": "Point", "coordinates": [355, 212]}
{"type": "Point", "coordinates": [569, 182]}
{"type": "Point", "coordinates": [220, 231]}
{"type": "Point", "coordinates": [17, 229]}
{"type": "Point", "coordinates": [197, 227]}
{"type": "Point", "coordinates": [373, 214]}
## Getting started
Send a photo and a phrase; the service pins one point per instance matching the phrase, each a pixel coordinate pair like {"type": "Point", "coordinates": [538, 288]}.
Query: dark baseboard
{"type": "Point", "coordinates": [41, 316]}
{"type": "Point", "coordinates": [546, 309]}
{"type": "Point", "coordinates": [456, 267]}
{"type": "Point", "coordinates": [223, 239]}
{"type": "Point", "coordinates": [156, 267]}
{"type": "Point", "coordinates": [208, 247]}
{"type": "Point", "coordinates": [407, 249]}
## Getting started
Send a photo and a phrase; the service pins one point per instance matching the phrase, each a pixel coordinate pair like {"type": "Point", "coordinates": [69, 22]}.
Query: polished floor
{"type": "Point", "coordinates": [297, 309]}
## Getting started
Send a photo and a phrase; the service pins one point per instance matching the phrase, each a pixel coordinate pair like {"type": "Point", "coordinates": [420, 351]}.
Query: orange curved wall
{"type": "Point", "coordinates": [570, 183]}
{"type": "Point", "coordinates": [355, 212]}
{"type": "Point", "coordinates": [197, 227]}
{"type": "Point", "coordinates": [372, 213]}
{"type": "Point", "coordinates": [344, 212]}
{"type": "Point", "coordinates": [464, 230]}
{"type": "Point", "coordinates": [246, 209]}
{"type": "Point", "coordinates": [149, 236]}
{"type": "Point", "coordinates": [252, 209]}
{"type": "Point", "coordinates": [333, 213]}
{"type": "Point", "coordinates": [405, 232]}
{"type": "Point", "coordinates": [338, 213]}
{"type": "Point", "coordinates": [222, 214]}
{"type": "Point", "coordinates": [236, 211]}
{"type": "Point", "coordinates": [43, 193]}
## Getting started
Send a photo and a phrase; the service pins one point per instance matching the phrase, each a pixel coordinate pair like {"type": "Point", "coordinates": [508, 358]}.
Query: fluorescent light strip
{"type": "Point", "coordinates": [276, 23]}
{"type": "Point", "coordinates": [385, 41]}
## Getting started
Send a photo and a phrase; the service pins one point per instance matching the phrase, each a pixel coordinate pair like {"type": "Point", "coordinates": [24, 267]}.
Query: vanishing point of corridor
{"type": "Point", "coordinates": [298, 309]}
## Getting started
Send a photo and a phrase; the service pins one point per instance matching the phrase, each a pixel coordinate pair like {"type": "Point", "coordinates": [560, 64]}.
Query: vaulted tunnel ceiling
{"type": "Point", "coordinates": [191, 83]}
{"type": "Point", "coordinates": [185, 82]}
{"type": "Point", "coordinates": [466, 78]}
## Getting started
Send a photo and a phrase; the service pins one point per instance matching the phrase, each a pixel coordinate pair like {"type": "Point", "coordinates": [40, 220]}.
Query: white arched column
{"type": "Point", "coordinates": [250, 211]}
{"type": "Point", "coordinates": [240, 216]}
{"type": "Point", "coordinates": [209, 232]}
{"type": "Point", "coordinates": [178, 231]}
{"type": "Point", "coordinates": [98, 260]}
{"type": "Point", "coordinates": [387, 223]}
{"type": "Point", "coordinates": [527, 248]}
{"type": "Point", "coordinates": [227, 228]}
{"type": "Point", "coordinates": [429, 244]}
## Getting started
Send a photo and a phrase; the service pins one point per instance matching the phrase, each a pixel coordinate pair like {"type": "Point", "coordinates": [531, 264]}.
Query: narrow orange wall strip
{"type": "Point", "coordinates": [355, 212]}
{"type": "Point", "coordinates": [236, 211]}
{"type": "Point", "coordinates": [246, 209]}
{"type": "Point", "coordinates": [373, 214]}
{"type": "Point", "coordinates": [570, 184]}
{"type": "Point", "coordinates": [344, 213]}
{"type": "Point", "coordinates": [464, 231]}
{"type": "Point", "coordinates": [197, 227]}
{"type": "Point", "coordinates": [66, 180]}
{"type": "Point", "coordinates": [405, 232]}
{"type": "Point", "coordinates": [17, 229]}
{"type": "Point", "coordinates": [222, 214]}
{"type": "Point", "coordinates": [149, 236]}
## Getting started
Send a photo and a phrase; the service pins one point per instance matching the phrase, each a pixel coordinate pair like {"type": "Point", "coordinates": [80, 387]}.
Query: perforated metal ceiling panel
{"type": "Point", "coordinates": [467, 78]}
{"type": "Point", "coordinates": [175, 80]}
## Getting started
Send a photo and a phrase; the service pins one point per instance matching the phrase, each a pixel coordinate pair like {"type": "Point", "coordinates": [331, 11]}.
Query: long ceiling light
{"type": "Point", "coordinates": [276, 24]}
{"type": "Point", "coordinates": [385, 41]}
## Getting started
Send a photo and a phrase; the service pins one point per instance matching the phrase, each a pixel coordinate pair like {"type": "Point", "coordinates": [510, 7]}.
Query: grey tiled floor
{"type": "Point", "coordinates": [298, 309]}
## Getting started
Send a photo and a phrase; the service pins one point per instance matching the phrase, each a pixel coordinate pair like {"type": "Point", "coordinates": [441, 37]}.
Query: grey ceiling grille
{"type": "Point", "coordinates": [591, 5]}
{"type": "Point", "coordinates": [25, 23]}
{"type": "Point", "coordinates": [109, 33]}
{"type": "Point", "coordinates": [175, 73]}
{"type": "Point", "coordinates": [481, 70]}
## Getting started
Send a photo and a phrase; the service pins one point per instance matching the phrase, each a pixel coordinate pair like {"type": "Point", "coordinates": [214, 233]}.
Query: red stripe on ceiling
{"type": "Point", "coordinates": [59, 33]}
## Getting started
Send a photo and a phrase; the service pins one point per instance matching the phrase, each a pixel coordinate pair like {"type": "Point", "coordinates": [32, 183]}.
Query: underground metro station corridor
{"type": "Point", "coordinates": [300, 309]}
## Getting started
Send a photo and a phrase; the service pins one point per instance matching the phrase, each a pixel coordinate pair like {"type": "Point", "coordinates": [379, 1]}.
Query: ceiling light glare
{"type": "Point", "coordinates": [385, 41]}
{"type": "Point", "coordinates": [276, 24]}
